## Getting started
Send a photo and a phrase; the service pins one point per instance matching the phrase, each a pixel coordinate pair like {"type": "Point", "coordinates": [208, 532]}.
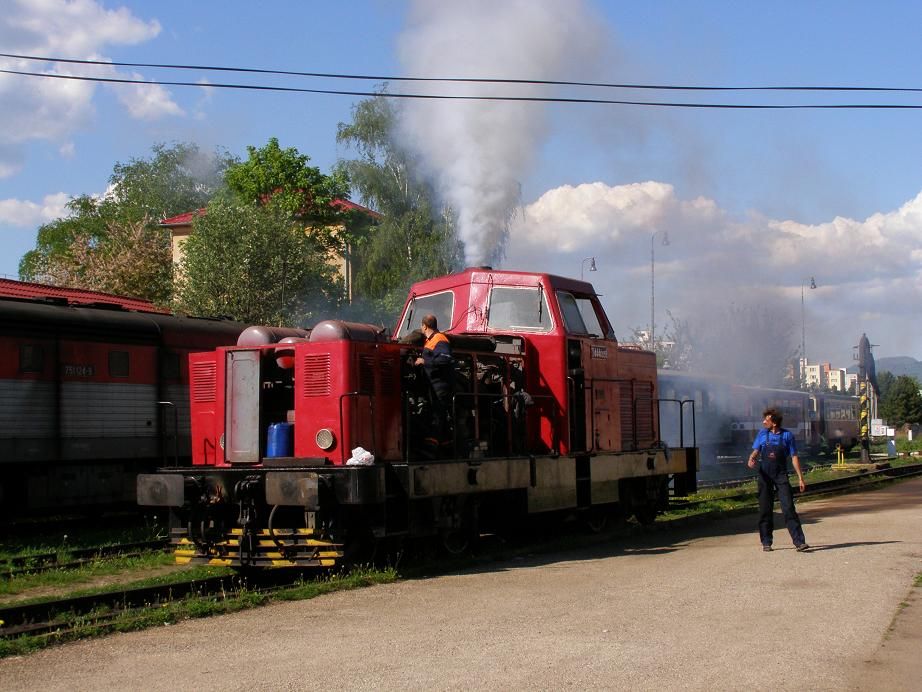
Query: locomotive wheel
{"type": "Point", "coordinates": [645, 514]}
{"type": "Point", "coordinates": [596, 520]}
{"type": "Point", "coordinates": [455, 541]}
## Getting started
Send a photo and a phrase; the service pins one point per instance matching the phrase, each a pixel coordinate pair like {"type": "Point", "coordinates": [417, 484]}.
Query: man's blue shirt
{"type": "Point", "coordinates": [785, 438]}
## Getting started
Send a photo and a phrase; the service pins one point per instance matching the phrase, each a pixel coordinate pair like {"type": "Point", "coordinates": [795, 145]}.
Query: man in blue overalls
{"type": "Point", "coordinates": [771, 450]}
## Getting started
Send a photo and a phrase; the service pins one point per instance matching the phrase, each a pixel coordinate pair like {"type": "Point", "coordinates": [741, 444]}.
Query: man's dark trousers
{"type": "Point", "coordinates": [771, 478]}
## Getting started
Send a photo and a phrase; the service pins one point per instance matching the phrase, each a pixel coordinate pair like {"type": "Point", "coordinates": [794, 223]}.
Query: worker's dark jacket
{"type": "Point", "coordinates": [439, 363]}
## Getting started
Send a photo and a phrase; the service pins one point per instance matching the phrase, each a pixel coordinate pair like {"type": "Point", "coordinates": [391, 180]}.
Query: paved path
{"type": "Point", "coordinates": [702, 608]}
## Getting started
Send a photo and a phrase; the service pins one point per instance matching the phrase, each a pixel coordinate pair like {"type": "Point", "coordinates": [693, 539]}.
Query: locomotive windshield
{"type": "Point", "coordinates": [519, 309]}
{"type": "Point", "coordinates": [438, 304]}
{"type": "Point", "coordinates": [580, 316]}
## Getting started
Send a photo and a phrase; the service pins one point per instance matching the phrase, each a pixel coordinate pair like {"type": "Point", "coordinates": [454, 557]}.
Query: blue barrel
{"type": "Point", "coordinates": [279, 443]}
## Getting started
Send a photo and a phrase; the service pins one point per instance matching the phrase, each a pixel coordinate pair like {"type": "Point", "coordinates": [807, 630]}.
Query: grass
{"type": "Point", "coordinates": [56, 540]}
{"type": "Point", "coordinates": [60, 580]}
{"type": "Point", "coordinates": [902, 445]}
{"type": "Point", "coordinates": [94, 625]}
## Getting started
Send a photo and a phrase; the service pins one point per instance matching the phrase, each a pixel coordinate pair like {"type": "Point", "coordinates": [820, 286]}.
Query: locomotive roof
{"type": "Point", "coordinates": [24, 290]}
{"type": "Point", "coordinates": [472, 288]}
{"type": "Point", "coordinates": [508, 277]}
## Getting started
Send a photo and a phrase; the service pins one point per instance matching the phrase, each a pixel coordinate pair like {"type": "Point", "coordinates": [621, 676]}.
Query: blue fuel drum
{"type": "Point", "coordinates": [280, 442]}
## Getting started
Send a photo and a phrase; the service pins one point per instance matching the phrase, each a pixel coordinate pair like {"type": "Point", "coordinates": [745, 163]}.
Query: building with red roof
{"type": "Point", "coordinates": [180, 228]}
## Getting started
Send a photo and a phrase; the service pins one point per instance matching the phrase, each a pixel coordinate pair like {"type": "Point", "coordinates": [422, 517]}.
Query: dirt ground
{"type": "Point", "coordinates": [695, 608]}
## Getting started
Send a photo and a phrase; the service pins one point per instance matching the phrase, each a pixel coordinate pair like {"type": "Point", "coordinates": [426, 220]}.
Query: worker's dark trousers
{"type": "Point", "coordinates": [769, 480]}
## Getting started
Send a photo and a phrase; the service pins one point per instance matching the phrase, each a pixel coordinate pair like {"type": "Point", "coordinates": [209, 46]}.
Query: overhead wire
{"type": "Point", "coordinates": [474, 80]}
{"type": "Point", "coordinates": [463, 97]}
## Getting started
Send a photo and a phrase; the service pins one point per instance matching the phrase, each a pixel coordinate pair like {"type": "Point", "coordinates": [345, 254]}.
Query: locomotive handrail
{"type": "Point", "coordinates": [681, 403]}
{"type": "Point", "coordinates": [504, 361]}
{"type": "Point", "coordinates": [505, 399]}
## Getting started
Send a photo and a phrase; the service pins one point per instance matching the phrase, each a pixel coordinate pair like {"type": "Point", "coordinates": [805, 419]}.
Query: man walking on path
{"type": "Point", "coordinates": [771, 450]}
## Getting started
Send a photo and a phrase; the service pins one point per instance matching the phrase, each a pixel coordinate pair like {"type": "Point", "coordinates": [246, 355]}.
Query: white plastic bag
{"type": "Point", "coordinates": [361, 457]}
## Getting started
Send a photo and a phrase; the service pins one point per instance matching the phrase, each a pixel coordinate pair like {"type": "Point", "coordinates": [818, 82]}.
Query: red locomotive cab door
{"type": "Point", "coordinates": [241, 425]}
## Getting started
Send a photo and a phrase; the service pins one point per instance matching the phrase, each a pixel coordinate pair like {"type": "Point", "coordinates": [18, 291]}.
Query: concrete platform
{"type": "Point", "coordinates": [698, 608]}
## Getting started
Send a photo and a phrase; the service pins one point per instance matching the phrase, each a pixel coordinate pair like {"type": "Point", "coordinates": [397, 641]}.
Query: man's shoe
{"type": "Point", "coordinates": [802, 548]}
{"type": "Point", "coordinates": [766, 548]}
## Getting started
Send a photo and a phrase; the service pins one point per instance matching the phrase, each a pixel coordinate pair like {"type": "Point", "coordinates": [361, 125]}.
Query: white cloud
{"type": "Point", "coordinates": [715, 259]}
{"type": "Point", "coordinates": [52, 109]}
{"type": "Point", "coordinates": [17, 212]}
{"type": "Point", "coordinates": [147, 101]}
{"type": "Point", "coordinates": [71, 28]}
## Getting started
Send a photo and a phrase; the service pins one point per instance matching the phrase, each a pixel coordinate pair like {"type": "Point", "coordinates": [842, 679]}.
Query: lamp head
{"type": "Point", "coordinates": [592, 264]}
{"type": "Point", "coordinates": [812, 282]}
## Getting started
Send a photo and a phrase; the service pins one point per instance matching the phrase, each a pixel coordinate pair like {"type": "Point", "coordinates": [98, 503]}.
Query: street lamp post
{"type": "Point", "coordinates": [665, 241]}
{"type": "Point", "coordinates": [582, 266]}
{"type": "Point", "coordinates": [803, 331]}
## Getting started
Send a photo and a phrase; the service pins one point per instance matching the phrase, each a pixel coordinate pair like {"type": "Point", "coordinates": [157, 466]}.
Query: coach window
{"type": "Point", "coordinates": [31, 358]}
{"type": "Point", "coordinates": [118, 364]}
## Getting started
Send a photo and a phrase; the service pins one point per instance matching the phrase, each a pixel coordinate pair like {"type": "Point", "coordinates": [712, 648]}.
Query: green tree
{"type": "Point", "coordinates": [265, 250]}
{"type": "Point", "coordinates": [283, 178]}
{"type": "Point", "coordinates": [114, 243]}
{"type": "Point", "coordinates": [52, 261]}
{"type": "Point", "coordinates": [253, 263]}
{"type": "Point", "coordinates": [173, 180]}
{"type": "Point", "coordinates": [902, 402]}
{"type": "Point", "coordinates": [415, 238]}
{"type": "Point", "coordinates": [885, 382]}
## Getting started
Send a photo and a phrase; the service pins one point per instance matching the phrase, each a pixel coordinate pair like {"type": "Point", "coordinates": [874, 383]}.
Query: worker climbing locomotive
{"type": "Point", "coordinates": [309, 444]}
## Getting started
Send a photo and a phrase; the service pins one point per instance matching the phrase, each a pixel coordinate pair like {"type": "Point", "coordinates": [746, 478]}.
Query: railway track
{"type": "Point", "coordinates": [74, 558]}
{"type": "Point", "coordinates": [102, 611]}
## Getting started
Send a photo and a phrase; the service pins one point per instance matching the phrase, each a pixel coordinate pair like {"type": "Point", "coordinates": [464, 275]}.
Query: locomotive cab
{"type": "Point", "coordinates": [307, 445]}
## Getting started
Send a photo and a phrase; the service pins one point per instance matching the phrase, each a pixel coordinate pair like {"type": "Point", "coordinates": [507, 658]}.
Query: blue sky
{"type": "Point", "coordinates": [754, 202]}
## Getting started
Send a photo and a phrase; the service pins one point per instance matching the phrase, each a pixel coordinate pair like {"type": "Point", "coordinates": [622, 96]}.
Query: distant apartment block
{"type": "Point", "coordinates": [813, 375]}
{"type": "Point", "coordinates": [824, 376]}
{"type": "Point", "coordinates": [835, 379]}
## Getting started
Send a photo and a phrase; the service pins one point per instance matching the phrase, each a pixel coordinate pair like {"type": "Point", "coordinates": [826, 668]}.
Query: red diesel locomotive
{"type": "Point", "coordinates": [93, 389]}
{"type": "Point", "coordinates": [305, 448]}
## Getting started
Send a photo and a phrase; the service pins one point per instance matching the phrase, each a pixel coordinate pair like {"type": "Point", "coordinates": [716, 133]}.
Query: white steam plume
{"type": "Point", "coordinates": [478, 151]}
